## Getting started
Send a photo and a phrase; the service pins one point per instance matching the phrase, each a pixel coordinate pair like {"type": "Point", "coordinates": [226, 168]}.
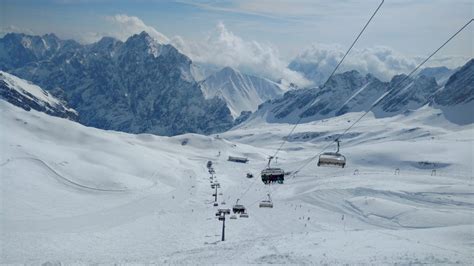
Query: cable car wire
{"type": "Point", "coordinates": [389, 92]}
{"type": "Point", "coordinates": [330, 76]}
{"type": "Point", "coordinates": [379, 100]}
{"type": "Point", "coordinates": [324, 85]}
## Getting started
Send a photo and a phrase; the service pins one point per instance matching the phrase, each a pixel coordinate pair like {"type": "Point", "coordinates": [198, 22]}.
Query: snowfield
{"type": "Point", "coordinates": [74, 194]}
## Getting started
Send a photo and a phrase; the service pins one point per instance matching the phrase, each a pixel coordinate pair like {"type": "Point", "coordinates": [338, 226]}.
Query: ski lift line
{"type": "Point", "coordinates": [380, 99]}
{"type": "Point", "coordinates": [332, 74]}
{"type": "Point", "coordinates": [403, 80]}
{"type": "Point", "coordinates": [324, 84]}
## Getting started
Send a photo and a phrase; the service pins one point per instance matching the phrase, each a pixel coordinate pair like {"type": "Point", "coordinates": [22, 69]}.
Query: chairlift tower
{"type": "Point", "coordinates": [221, 217]}
{"type": "Point", "coordinates": [215, 195]}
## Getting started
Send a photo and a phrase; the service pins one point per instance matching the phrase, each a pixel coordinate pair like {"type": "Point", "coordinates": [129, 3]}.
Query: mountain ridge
{"type": "Point", "coordinates": [136, 86]}
{"type": "Point", "coordinates": [28, 96]}
{"type": "Point", "coordinates": [240, 91]}
{"type": "Point", "coordinates": [352, 92]}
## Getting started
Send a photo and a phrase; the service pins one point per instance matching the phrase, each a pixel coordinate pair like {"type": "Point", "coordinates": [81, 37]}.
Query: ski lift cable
{"type": "Point", "coordinates": [324, 85]}
{"type": "Point", "coordinates": [406, 77]}
{"type": "Point", "coordinates": [249, 187]}
{"type": "Point", "coordinates": [330, 76]}
{"type": "Point", "coordinates": [387, 93]}
{"type": "Point", "coordinates": [378, 101]}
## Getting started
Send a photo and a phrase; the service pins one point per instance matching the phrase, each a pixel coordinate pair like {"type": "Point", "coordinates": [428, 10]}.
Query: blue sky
{"type": "Point", "coordinates": [282, 28]}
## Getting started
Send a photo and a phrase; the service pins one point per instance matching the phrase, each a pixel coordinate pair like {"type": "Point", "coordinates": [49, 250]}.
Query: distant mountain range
{"type": "Point", "coordinates": [134, 86]}
{"type": "Point", "coordinates": [319, 74]}
{"type": "Point", "coordinates": [141, 86]}
{"type": "Point", "coordinates": [353, 92]}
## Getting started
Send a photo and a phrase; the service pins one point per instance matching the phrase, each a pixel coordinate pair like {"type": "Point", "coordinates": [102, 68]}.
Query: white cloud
{"type": "Point", "coordinates": [224, 48]}
{"type": "Point", "coordinates": [220, 48]}
{"type": "Point", "coordinates": [128, 25]}
{"type": "Point", "coordinates": [12, 28]}
{"type": "Point", "coordinates": [383, 62]}
{"type": "Point", "coordinates": [449, 61]}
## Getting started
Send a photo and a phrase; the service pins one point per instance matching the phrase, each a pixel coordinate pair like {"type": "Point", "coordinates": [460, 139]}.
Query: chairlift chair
{"type": "Point", "coordinates": [244, 215]}
{"type": "Point", "coordinates": [225, 211]}
{"type": "Point", "coordinates": [272, 175]}
{"type": "Point", "coordinates": [332, 158]}
{"type": "Point", "coordinates": [216, 204]}
{"type": "Point", "coordinates": [266, 203]}
{"type": "Point", "coordinates": [233, 217]}
{"type": "Point", "coordinates": [238, 208]}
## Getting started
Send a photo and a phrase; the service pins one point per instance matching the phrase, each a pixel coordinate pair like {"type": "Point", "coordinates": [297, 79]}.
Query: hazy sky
{"type": "Point", "coordinates": [280, 30]}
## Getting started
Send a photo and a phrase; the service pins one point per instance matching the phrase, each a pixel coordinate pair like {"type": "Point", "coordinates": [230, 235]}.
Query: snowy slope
{"type": "Point", "coordinates": [29, 96]}
{"type": "Point", "coordinates": [74, 194]}
{"type": "Point", "coordinates": [241, 92]}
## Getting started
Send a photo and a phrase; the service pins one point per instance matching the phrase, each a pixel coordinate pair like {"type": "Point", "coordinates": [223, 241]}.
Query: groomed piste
{"type": "Point", "coordinates": [74, 194]}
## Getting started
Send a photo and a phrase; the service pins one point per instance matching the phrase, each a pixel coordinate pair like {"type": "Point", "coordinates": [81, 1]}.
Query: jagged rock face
{"type": "Point", "coordinates": [28, 96]}
{"type": "Point", "coordinates": [134, 86]}
{"type": "Point", "coordinates": [241, 92]}
{"type": "Point", "coordinates": [18, 50]}
{"type": "Point", "coordinates": [407, 94]}
{"type": "Point", "coordinates": [352, 92]}
{"type": "Point", "coordinates": [349, 91]}
{"type": "Point", "coordinates": [456, 98]}
{"type": "Point", "coordinates": [459, 88]}
{"type": "Point", "coordinates": [346, 92]}
{"type": "Point", "coordinates": [441, 74]}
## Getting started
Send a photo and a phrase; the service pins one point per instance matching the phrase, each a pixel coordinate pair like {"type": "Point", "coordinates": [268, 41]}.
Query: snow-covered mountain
{"type": "Point", "coordinates": [136, 86]}
{"type": "Point", "coordinates": [456, 98]}
{"type": "Point", "coordinates": [353, 92]}
{"type": "Point", "coordinates": [408, 94]}
{"type": "Point", "coordinates": [29, 96]}
{"type": "Point", "coordinates": [18, 50]}
{"type": "Point", "coordinates": [441, 74]}
{"type": "Point", "coordinates": [241, 92]}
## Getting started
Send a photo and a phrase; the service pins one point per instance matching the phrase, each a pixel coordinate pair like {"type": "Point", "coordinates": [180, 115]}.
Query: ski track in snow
{"type": "Point", "coordinates": [92, 196]}
{"type": "Point", "coordinates": [60, 177]}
